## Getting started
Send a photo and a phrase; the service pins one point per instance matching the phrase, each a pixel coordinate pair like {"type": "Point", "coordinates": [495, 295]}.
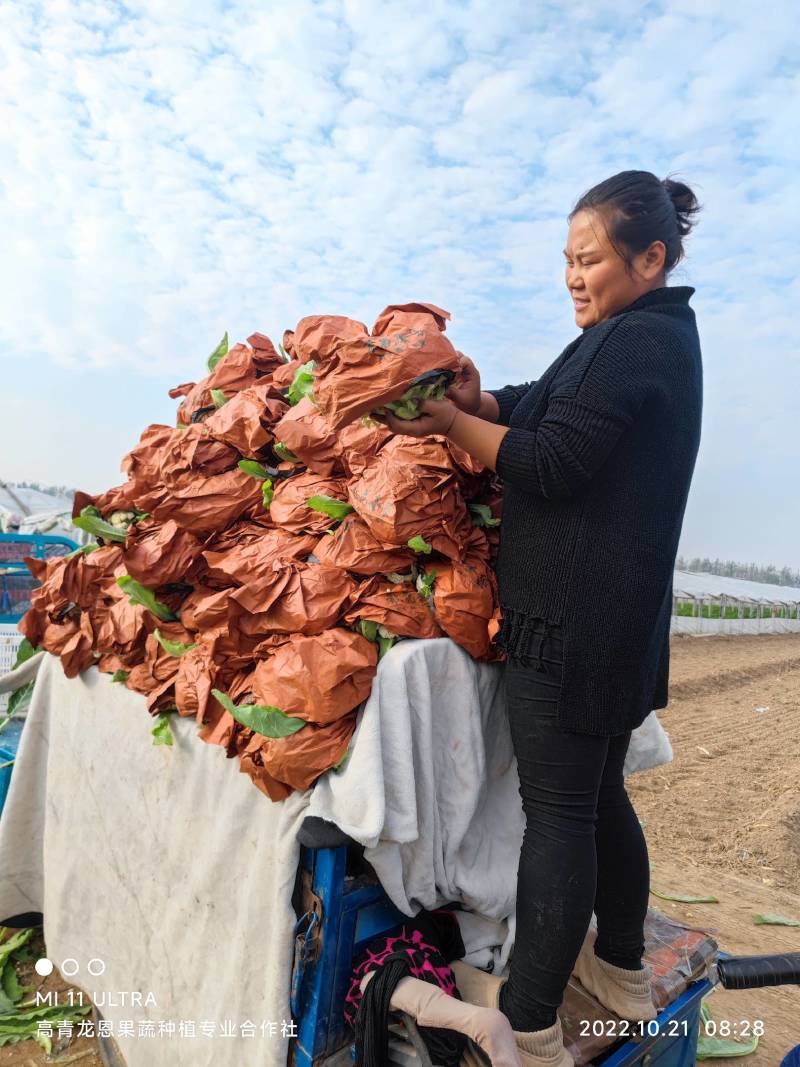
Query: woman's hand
{"type": "Point", "coordinates": [465, 392]}
{"type": "Point", "coordinates": [435, 417]}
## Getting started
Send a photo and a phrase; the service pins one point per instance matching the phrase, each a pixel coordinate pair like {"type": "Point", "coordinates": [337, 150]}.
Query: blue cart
{"type": "Point", "coordinates": [344, 906]}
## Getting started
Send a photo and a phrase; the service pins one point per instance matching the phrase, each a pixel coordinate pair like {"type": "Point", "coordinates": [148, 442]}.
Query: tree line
{"type": "Point", "coordinates": [727, 568]}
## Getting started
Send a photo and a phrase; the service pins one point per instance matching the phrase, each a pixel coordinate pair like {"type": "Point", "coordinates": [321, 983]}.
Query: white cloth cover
{"type": "Point", "coordinates": [171, 868]}
{"type": "Point", "coordinates": [431, 788]}
{"type": "Point", "coordinates": [164, 863]}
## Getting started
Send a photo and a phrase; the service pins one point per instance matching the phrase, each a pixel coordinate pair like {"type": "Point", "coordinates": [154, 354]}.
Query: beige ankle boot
{"type": "Point", "coordinates": [536, 1048]}
{"type": "Point", "coordinates": [626, 993]}
{"type": "Point", "coordinates": [543, 1048]}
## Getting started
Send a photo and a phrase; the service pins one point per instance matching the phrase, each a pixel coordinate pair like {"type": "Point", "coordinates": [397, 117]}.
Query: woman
{"type": "Point", "coordinates": [596, 458]}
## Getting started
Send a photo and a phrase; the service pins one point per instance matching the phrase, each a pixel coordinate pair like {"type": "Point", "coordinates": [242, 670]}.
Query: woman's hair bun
{"type": "Point", "coordinates": [685, 203]}
{"type": "Point", "coordinates": [637, 208]}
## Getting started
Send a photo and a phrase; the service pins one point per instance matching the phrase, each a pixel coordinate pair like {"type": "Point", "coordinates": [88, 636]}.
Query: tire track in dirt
{"type": "Point", "coordinates": [721, 681]}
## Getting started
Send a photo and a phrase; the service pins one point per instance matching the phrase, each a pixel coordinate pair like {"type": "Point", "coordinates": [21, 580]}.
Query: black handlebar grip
{"type": "Point", "coordinates": [752, 972]}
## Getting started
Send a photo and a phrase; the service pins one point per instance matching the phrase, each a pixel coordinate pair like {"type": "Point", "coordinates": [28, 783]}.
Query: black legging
{"type": "Point", "coordinates": [583, 847]}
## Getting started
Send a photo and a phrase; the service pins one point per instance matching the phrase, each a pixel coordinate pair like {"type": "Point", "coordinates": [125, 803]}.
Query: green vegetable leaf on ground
{"type": "Point", "coordinates": [267, 493]}
{"type": "Point", "coordinates": [684, 898]}
{"type": "Point", "coordinates": [219, 398]}
{"type": "Point", "coordinates": [162, 731]}
{"type": "Point", "coordinates": [175, 648]}
{"type": "Point", "coordinates": [120, 676]}
{"type": "Point", "coordinates": [263, 719]}
{"type": "Point", "coordinates": [140, 594]}
{"type": "Point", "coordinates": [219, 352]}
{"type": "Point", "coordinates": [419, 544]}
{"type": "Point", "coordinates": [482, 515]}
{"type": "Point", "coordinates": [771, 919]}
{"type": "Point", "coordinates": [11, 985]}
{"type": "Point", "coordinates": [709, 1046]}
{"type": "Point", "coordinates": [92, 522]}
{"type": "Point", "coordinates": [303, 383]}
{"type": "Point", "coordinates": [329, 505]}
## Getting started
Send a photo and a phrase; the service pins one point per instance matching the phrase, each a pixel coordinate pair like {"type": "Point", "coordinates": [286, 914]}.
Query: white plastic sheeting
{"type": "Point", "coordinates": [47, 514]}
{"type": "Point", "coordinates": [694, 584]}
{"type": "Point", "coordinates": [685, 624]}
{"type": "Point", "coordinates": [773, 608]}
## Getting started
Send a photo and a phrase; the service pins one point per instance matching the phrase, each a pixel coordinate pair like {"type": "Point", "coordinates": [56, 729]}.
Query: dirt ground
{"type": "Point", "coordinates": [722, 819]}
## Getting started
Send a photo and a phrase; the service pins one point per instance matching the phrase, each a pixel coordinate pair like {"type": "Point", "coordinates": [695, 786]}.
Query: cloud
{"type": "Point", "coordinates": [173, 170]}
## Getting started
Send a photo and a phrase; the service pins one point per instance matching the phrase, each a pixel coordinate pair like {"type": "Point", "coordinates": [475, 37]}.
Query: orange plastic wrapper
{"type": "Point", "coordinates": [60, 628]}
{"type": "Point", "coordinates": [303, 429]}
{"type": "Point", "coordinates": [464, 602]}
{"type": "Point", "coordinates": [294, 598]}
{"type": "Point", "coordinates": [143, 462]}
{"type": "Point", "coordinates": [319, 678]}
{"type": "Point", "coordinates": [410, 492]}
{"type": "Point", "coordinates": [158, 665]}
{"type": "Point", "coordinates": [123, 497]}
{"type": "Point", "coordinates": [205, 609]}
{"type": "Point", "coordinates": [245, 422]}
{"type": "Point", "coordinates": [357, 445]}
{"type": "Point", "coordinates": [74, 580]}
{"type": "Point", "coordinates": [283, 376]}
{"type": "Point", "coordinates": [204, 505]}
{"type": "Point", "coordinates": [77, 653]}
{"type": "Point", "coordinates": [123, 630]}
{"type": "Point", "coordinates": [191, 453]}
{"type": "Point", "coordinates": [240, 532]}
{"type": "Point", "coordinates": [289, 508]}
{"type": "Point", "coordinates": [300, 759]}
{"type": "Point", "coordinates": [239, 369]}
{"type": "Point", "coordinates": [361, 372]}
{"type": "Point", "coordinates": [397, 606]}
{"type": "Point", "coordinates": [254, 558]}
{"type": "Point", "coordinates": [354, 547]}
{"type": "Point", "coordinates": [395, 313]}
{"type": "Point", "coordinates": [319, 337]}
{"type": "Point", "coordinates": [160, 553]}
{"type": "Point", "coordinates": [197, 676]}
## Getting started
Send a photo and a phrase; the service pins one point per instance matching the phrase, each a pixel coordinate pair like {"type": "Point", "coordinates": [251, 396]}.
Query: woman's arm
{"type": "Point", "coordinates": [489, 409]}
{"type": "Point", "coordinates": [571, 441]}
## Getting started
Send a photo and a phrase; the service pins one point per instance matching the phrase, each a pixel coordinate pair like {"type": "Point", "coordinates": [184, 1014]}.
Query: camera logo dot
{"type": "Point", "coordinates": [44, 966]}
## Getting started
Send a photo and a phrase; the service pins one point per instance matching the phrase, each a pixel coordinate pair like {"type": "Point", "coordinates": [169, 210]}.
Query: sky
{"type": "Point", "coordinates": [172, 169]}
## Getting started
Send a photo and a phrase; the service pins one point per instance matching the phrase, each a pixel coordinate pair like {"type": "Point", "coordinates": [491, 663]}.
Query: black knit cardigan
{"type": "Point", "coordinates": [596, 468]}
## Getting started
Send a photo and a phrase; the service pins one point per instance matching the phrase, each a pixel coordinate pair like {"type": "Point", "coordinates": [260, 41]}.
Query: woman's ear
{"type": "Point", "coordinates": [653, 259]}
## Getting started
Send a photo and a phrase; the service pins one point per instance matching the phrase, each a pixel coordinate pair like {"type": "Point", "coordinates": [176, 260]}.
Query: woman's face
{"type": "Point", "coordinates": [598, 279]}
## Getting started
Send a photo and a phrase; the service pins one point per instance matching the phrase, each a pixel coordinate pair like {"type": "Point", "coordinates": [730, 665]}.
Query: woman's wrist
{"type": "Point", "coordinates": [477, 436]}
{"type": "Point", "coordinates": [488, 409]}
